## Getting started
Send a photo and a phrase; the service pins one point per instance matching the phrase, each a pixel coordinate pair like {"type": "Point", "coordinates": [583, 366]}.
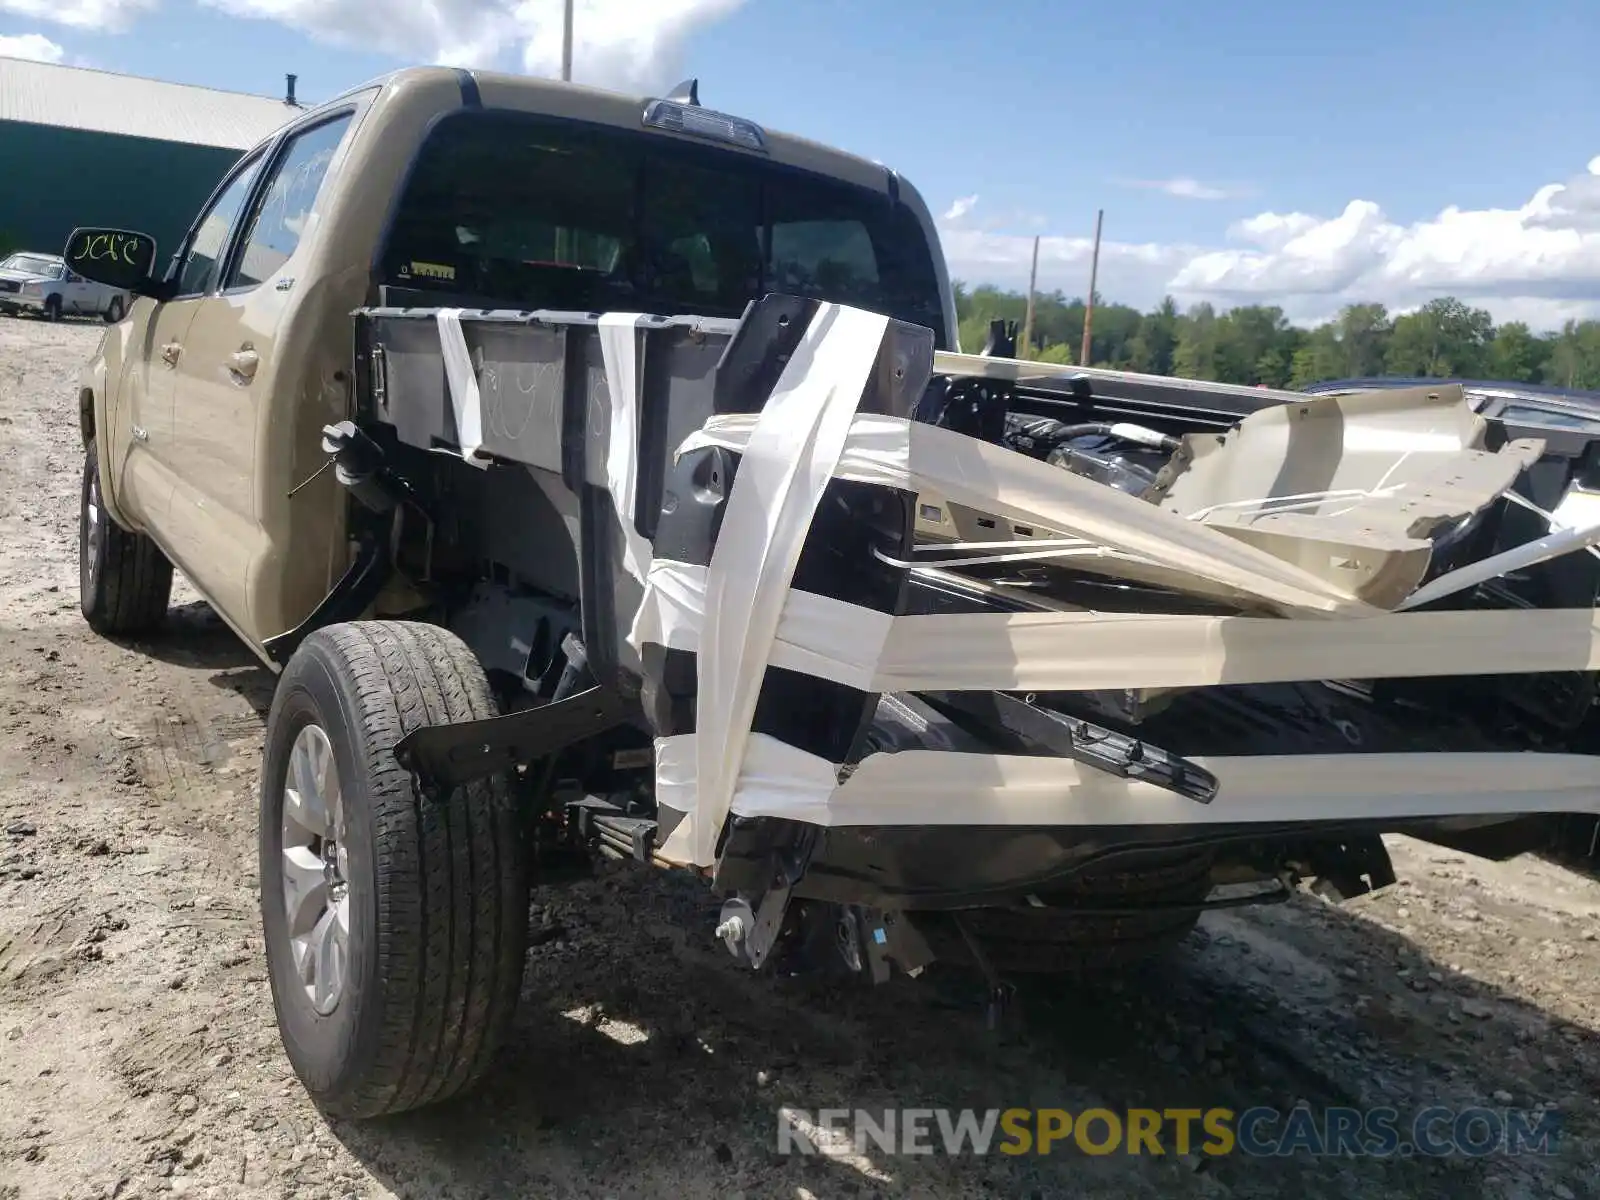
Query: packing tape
{"type": "Point", "coordinates": [465, 401]}
{"type": "Point", "coordinates": [921, 787]}
{"type": "Point", "coordinates": [791, 453]}
{"type": "Point", "coordinates": [619, 352]}
{"type": "Point", "coordinates": [1090, 651]}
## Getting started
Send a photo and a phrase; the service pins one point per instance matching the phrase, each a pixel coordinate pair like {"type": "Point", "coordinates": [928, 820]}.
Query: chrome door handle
{"type": "Point", "coordinates": [244, 363]}
{"type": "Point", "coordinates": [139, 433]}
{"type": "Point", "coordinates": [170, 352]}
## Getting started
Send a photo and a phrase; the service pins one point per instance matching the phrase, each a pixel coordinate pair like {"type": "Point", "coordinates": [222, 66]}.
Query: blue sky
{"type": "Point", "coordinates": [1301, 154]}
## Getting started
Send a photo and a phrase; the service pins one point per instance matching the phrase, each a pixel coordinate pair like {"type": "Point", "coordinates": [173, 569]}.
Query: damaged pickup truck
{"type": "Point", "coordinates": [603, 479]}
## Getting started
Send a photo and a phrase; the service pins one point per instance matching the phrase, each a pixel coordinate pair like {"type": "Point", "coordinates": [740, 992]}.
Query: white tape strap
{"type": "Point", "coordinates": [920, 787]}
{"type": "Point", "coordinates": [1087, 651]}
{"type": "Point", "coordinates": [895, 452]}
{"type": "Point", "coordinates": [787, 460]}
{"type": "Point", "coordinates": [619, 352]}
{"type": "Point", "coordinates": [463, 384]}
{"type": "Point", "coordinates": [816, 635]}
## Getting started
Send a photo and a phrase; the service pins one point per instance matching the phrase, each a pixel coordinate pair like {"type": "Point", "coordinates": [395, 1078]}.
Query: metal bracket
{"type": "Point", "coordinates": [450, 755]}
{"type": "Point", "coordinates": [380, 377]}
{"type": "Point", "coordinates": [882, 941]}
{"type": "Point", "coordinates": [751, 934]}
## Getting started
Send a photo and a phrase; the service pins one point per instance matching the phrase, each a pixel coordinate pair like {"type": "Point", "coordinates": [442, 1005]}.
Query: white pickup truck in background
{"type": "Point", "coordinates": [42, 284]}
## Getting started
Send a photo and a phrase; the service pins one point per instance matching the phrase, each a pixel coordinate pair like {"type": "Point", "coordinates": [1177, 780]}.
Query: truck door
{"type": "Point", "coordinates": [77, 293]}
{"type": "Point", "coordinates": [227, 371]}
{"type": "Point", "coordinates": [153, 463]}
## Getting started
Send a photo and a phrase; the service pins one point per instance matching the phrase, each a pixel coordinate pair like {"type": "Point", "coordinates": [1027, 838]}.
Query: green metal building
{"type": "Point", "coordinates": [83, 147]}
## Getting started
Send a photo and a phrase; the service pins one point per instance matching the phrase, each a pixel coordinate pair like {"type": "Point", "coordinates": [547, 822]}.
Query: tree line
{"type": "Point", "coordinates": [1256, 344]}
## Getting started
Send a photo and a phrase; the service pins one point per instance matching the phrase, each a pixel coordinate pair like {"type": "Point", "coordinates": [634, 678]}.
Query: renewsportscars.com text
{"type": "Point", "coordinates": [1260, 1132]}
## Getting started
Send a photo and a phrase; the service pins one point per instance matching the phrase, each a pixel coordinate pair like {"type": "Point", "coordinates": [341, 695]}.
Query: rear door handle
{"type": "Point", "coordinates": [244, 363]}
{"type": "Point", "coordinates": [170, 352]}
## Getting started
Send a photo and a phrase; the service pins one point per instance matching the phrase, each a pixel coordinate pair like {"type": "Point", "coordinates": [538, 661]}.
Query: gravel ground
{"type": "Point", "coordinates": [138, 1055]}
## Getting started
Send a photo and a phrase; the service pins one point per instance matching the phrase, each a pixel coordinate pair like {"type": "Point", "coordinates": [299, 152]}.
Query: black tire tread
{"type": "Point", "coordinates": [451, 885]}
{"type": "Point", "coordinates": [133, 587]}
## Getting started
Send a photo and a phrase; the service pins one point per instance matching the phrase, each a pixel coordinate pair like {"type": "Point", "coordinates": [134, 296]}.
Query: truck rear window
{"type": "Point", "coordinates": [528, 212]}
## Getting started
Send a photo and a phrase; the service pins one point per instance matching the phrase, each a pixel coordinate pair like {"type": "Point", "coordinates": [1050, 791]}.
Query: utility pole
{"type": "Point", "coordinates": [566, 43]}
{"type": "Point", "coordinates": [1027, 320]}
{"type": "Point", "coordinates": [1088, 305]}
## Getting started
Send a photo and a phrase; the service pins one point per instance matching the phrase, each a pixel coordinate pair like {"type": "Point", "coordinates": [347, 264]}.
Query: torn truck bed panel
{"type": "Point", "coordinates": [1347, 487]}
{"type": "Point", "coordinates": [1121, 534]}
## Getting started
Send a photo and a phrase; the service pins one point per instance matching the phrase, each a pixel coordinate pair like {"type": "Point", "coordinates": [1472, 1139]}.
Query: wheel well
{"type": "Point", "coordinates": [86, 414]}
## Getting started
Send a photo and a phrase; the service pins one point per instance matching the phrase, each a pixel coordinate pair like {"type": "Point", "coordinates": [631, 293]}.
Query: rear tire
{"type": "Point", "coordinates": [114, 310]}
{"type": "Point", "coordinates": [434, 894]}
{"type": "Point", "coordinates": [124, 581]}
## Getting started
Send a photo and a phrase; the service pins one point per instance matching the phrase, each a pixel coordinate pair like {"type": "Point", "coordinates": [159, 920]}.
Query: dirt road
{"type": "Point", "coordinates": [138, 1055]}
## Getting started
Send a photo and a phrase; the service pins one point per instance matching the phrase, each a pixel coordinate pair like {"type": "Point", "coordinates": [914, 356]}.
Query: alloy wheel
{"type": "Point", "coordinates": [316, 892]}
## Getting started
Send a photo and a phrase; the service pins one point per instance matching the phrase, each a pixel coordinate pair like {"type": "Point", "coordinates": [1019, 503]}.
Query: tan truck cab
{"type": "Point", "coordinates": [206, 408]}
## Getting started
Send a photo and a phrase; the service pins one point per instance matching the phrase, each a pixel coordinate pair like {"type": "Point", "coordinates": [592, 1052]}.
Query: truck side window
{"type": "Point", "coordinates": [280, 218]}
{"type": "Point", "coordinates": [197, 274]}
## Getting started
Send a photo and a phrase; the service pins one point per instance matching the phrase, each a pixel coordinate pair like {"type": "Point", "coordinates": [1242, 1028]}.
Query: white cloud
{"type": "Point", "coordinates": [627, 44]}
{"type": "Point", "coordinates": [964, 214]}
{"type": "Point", "coordinates": [105, 16]}
{"type": "Point", "coordinates": [1539, 262]}
{"type": "Point", "coordinates": [1136, 273]}
{"type": "Point", "coordinates": [1185, 188]}
{"type": "Point", "coordinates": [34, 46]}
{"type": "Point", "coordinates": [960, 207]}
{"type": "Point", "coordinates": [1301, 254]}
{"type": "Point", "coordinates": [1271, 231]}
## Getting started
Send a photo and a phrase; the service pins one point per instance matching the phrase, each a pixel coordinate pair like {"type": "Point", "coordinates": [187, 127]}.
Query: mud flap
{"type": "Point", "coordinates": [446, 756]}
